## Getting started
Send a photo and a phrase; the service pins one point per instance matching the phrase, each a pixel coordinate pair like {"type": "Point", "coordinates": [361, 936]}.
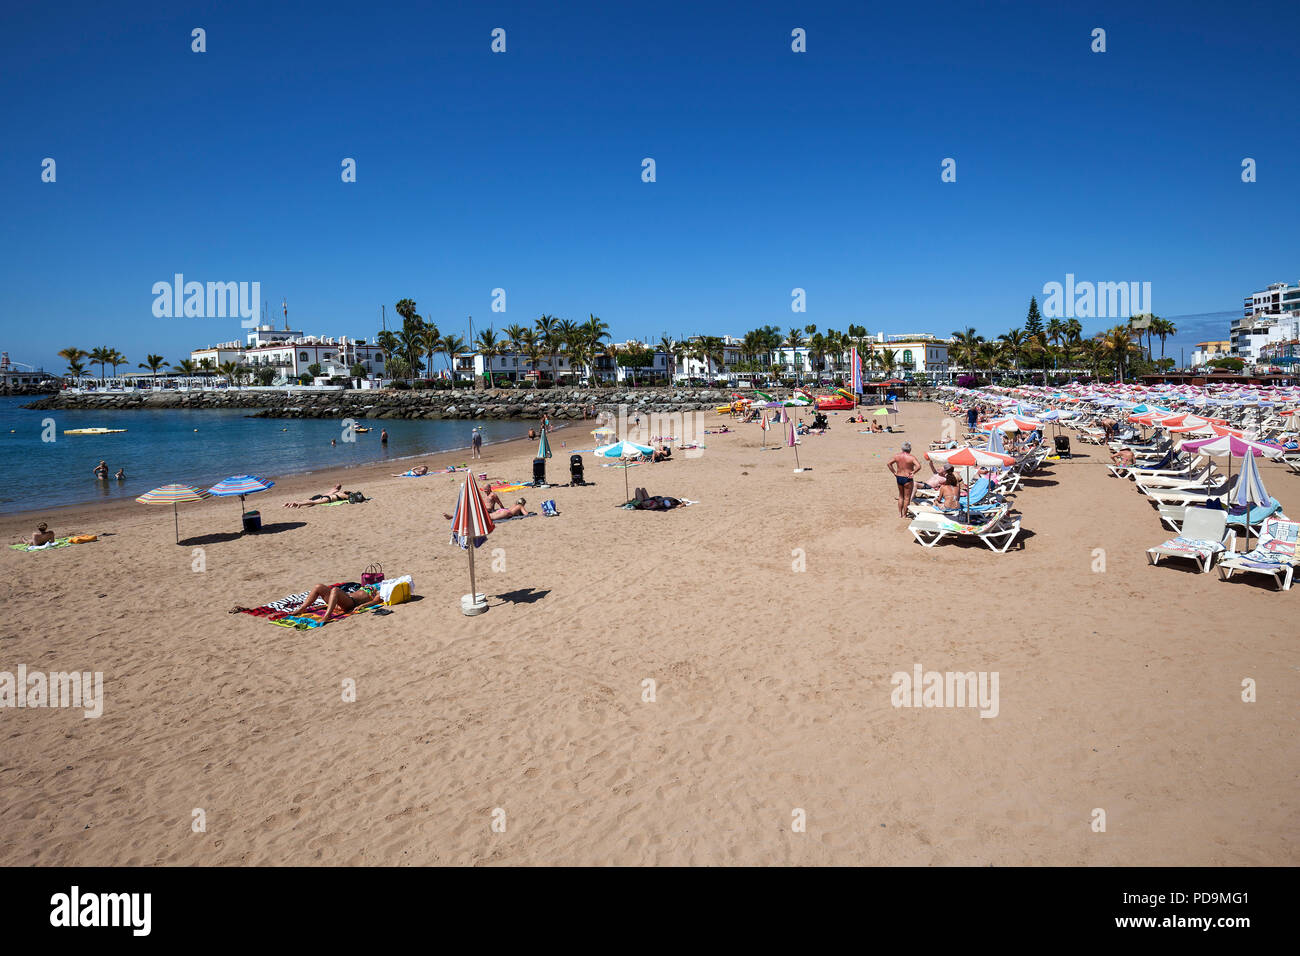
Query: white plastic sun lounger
{"type": "Point", "coordinates": [1276, 555]}
{"type": "Point", "coordinates": [998, 533]}
{"type": "Point", "coordinates": [1205, 535]}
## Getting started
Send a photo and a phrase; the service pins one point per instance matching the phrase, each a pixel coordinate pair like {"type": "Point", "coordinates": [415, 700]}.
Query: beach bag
{"type": "Point", "coordinates": [356, 497]}
{"type": "Point", "coordinates": [373, 574]}
{"type": "Point", "coordinates": [549, 509]}
{"type": "Point", "coordinates": [397, 590]}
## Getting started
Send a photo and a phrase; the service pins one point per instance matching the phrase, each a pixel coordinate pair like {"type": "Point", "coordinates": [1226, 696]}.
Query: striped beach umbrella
{"type": "Point", "coordinates": [544, 447]}
{"type": "Point", "coordinates": [624, 449]}
{"type": "Point", "coordinates": [240, 485]}
{"type": "Point", "coordinates": [173, 495]}
{"type": "Point", "coordinates": [471, 523]}
{"type": "Point", "coordinates": [971, 458]}
{"type": "Point", "coordinates": [793, 442]}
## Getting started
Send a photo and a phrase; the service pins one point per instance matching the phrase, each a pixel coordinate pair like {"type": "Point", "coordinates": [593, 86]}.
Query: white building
{"type": "Point", "coordinates": [1277, 299]}
{"type": "Point", "coordinates": [916, 354]}
{"type": "Point", "coordinates": [291, 354]}
{"type": "Point", "coordinates": [16, 373]}
{"type": "Point", "coordinates": [1250, 335]}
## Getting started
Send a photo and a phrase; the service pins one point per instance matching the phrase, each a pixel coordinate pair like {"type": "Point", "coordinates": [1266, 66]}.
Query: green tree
{"type": "Point", "coordinates": [489, 347]}
{"type": "Point", "coordinates": [153, 363]}
{"type": "Point", "coordinates": [101, 356]}
{"type": "Point", "coordinates": [1033, 321]}
{"type": "Point", "coordinates": [452, 346]}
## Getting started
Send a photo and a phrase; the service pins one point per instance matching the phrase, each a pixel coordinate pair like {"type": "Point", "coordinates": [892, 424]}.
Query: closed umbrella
{"type": "Point", "coordinates": [544, 447]}
{"type": "Point", "coordinates": [240, 485]}
{"type": "Point", "coordinates": [173, 495]}
{"type": "Point", "coordinates": [793, 442]}
{"type": "Point", "coordinates": [471, 523]}
{"type": "Point", "coordinates": [1250, 491]}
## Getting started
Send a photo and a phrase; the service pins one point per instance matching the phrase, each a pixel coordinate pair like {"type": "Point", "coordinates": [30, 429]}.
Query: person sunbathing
{"type": "Point", "coordinates": [663, 454]}
{"type": "Point", "coordinates": [517, 510]}
{"type": "Point", "coordinates": [1124, 456]}
{"type": "Point", "coordinates": [335, 494]}
{"type": "Point", "coordinates": [43, 535]}
{"type": "Point", "coordinates": [875, 427]}
{"type": "Point", "coordinates": [949, 492]}
{"type": "Point", "coordinates": [345, 598]}
{"type": "Point", "coordinates": [419, 471]}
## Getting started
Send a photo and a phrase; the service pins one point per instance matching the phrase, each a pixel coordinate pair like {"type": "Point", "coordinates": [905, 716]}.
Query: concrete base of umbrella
{"type": "Point", "coordinates": [471, 604]}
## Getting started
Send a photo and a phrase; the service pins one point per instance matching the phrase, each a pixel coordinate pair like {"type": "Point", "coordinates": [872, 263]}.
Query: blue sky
{"type": "Point", "coordinates": [522, 170]}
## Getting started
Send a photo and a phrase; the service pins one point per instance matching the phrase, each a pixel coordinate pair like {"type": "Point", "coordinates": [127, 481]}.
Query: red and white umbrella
{"type": "Point", "coordinates": [971, 458]}
{"type": "Point", "coordinates": [471, 523]}
{"type": "Point", "coordinates": [1014, 423]}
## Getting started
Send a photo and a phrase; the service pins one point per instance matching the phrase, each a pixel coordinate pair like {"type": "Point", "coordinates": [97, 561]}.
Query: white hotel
{"type": "Point", "coordinates": [1270, 318]}
{"type": "Point", "coordinates": [291, 354]}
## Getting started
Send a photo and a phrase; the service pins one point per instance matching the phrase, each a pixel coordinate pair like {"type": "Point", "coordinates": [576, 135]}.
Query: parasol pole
{"type": "Point", "coordinates": [626, 496]}
{"type": "Point", "coordinates": [176, 515]}
{"type": "Point", "coordinates": [473, 591]}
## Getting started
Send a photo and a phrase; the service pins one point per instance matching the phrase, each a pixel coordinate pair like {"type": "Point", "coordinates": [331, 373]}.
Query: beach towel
{"type": "Point", "coordinates": [332, 504]}
{"type": "Point", "coordinates": [410, 473]}
{"type": "Point", "coordinates": [304, 623]}
{"type": "Point", "coordinates": [281, 607]}
{"type": "Point", "coordinates": [1192, 545]}
{"type": "Point", "coordinates": [48, 546]}
{"type": "Point", "coordinates": [512, 487]}
{"type": "Point", "coordinates": [531, 514]}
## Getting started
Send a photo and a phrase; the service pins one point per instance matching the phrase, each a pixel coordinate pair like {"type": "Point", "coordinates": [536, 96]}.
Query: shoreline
{"type": "Point", "coordinates": [86, 512]}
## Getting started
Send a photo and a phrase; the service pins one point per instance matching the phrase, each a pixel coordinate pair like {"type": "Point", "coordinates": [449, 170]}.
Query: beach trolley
{"type": "Point", "coordinates": [1062, 443]}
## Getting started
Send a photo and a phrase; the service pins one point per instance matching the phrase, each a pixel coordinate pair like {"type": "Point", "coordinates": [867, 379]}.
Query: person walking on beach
{"type": "Point", "coordinates": [101, 471]}
{"type": "Point", "coordinates": [904, 468]}
{"type": "Point", "coordinates": [972, 418]}
{"type": "Point", "coordinates": [477, 443]}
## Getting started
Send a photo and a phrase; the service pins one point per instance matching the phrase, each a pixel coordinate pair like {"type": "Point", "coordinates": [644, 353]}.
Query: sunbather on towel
{"type": "Point", "coordinates": [663, 454]}
{"type": "Point", "coordinates": [335, 494]}
{"type": "Point", "coordinates": [345, 599]}
{"type": "Point", "coordinates": [419, 471]}
{"type": "Point", "coordinates": [42, 536]}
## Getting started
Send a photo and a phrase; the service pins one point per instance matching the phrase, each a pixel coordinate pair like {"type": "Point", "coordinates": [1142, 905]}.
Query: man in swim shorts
{"type": "Point", "coordinates": [904, 468]}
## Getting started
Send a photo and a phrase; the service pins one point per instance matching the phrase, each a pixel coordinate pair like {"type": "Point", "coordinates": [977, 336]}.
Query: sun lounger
{"type": "Point", "coordinates": [1275, 556]}
{"type": "Point", "coordinates": [1198, 479]}
{"type": "Point", "coordinates": [1191, 496]}
{"type": "Point", "coordinates": [1205, 535]}
{"type": "Point", "coordinates": [998, 532]}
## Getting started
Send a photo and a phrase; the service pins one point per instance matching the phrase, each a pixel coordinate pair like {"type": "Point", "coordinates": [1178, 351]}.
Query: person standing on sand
{"type": "Point", "coordinates": [477, 443]}
{"type": "Point", "coordinates": [904, 468]}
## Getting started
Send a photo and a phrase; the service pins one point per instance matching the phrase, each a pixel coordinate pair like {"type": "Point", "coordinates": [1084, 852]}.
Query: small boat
{"type": "Point", "coordinates": [93, 431]}
{"type": "Point", "coordinates": [359, 429]}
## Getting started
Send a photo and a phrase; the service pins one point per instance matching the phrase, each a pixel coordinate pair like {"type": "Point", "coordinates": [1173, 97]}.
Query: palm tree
{"type": "Point", "coordinates": [989, 354]}
{"type": "Point", "coordinates": [101, 355]}
{"type": "Point", "coordinates": [153, 363]}
{"type": "Point", "coordinates": [186, 367]}
{"type": "Point", "coordinates": [228, 371]}
{"type": "Point", "coordinates": [965, 348]}
{"type": "Point", "coordinates": [430, 343]}
{"type": "Point", "coordinates": [594, 332]}
{"type": "Point", "coordinates": [1119, 343]}
{"type": "Point", "coordinates": [531, 347]}
{"type": "Point", "coordinates": [74, 355]}
{"type": "Point", "coordinates": [452, 346]}
{"type": "Point", "coordinates": [75, 369]}
{"type": "Point", "coordinates": [1163, 329]}
{"type": "Point", "coordinates": [794, 339]}
{"type": "Point", "coordinates": [546, 326]}
{"type": "Point", "coordinates": [669, 348]}
{"type": "Point", "coordinates": [1013, 346]}
{"type": "Point", "coordinates": [489, 347]}
{"type": "Point", "coordinates": [115, 359]}
{"type": "Point", "coordinates": [888, 361]}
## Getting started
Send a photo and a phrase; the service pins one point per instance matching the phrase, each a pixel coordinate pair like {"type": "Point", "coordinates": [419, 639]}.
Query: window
{"type": "Point", "coordinates": [907, 356]}
{"type": "Point", "coordinates": [302, 356]}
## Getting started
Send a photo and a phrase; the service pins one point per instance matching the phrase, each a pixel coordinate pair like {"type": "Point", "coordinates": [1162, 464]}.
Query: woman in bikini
{"type": "Point", "coordinates": [335, 494]}
{"type": "Point", "coordinates": [517, 510]}
{"type": "Point", "coordinates": [345, 598]}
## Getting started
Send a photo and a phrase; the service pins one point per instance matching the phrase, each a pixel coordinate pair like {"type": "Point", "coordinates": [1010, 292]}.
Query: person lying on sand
{"type": "Point", "coordinates": [419, 471]}
{"type": "Point", "coordinates": [1124, 456]}
{"type": "Point", "coordinates": [517, 510]}
{"type": "Point", "coordinates": [43, 535]}
{"type": "Point", "coordinates": [338, 599]}
{"type": "Point", "coordinates": [663, 454]}
{"type": "Point", "coordinates": [335, 494]}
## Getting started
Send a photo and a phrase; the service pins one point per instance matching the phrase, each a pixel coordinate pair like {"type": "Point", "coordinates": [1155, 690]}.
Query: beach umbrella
{"type": "Point", "coordinates": [240, 485]}
{"type": "Point", "coordinates": [971, 458]}
{"type": "Point", "coordinates": [173, 495]}
{"type": "Point", "coordinates": [1014, 423]}
{"type": "Point", "coordinates": [764, 426]}
{"type": "Point", "coordinates": [544, 447]}
{"type": "Point", "coordinates": [996, 442]}
{"type": "Point", "coordinates": [624, 449]}
{"type": "Point", "coordinates": [793, 442]}
{"type": "Point", "coordinates": [1250, 491]}
{"type": "Point", "coordinates": [1234, 446]}
{"type": "Point", "coordinates": [471, 523]}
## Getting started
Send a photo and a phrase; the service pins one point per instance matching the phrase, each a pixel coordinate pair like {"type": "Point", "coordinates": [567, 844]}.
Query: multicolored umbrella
{"type": "Point", "coordinates": [624, 449]}
{"type": "Point", "coordinates": [173, 495]}
{"type": "Point", "coordinates": [793, 442]}
{"type": "Point", "coordinates": [240, 485]}
{"type": "Point", "coordinates": [471, 523]}
{"type": "Point", "coordinates": [544, 446]}
{"type": "Point", "coordinates": [1014, 423]}
{"type": "Point", "coordinates": [971, 458]}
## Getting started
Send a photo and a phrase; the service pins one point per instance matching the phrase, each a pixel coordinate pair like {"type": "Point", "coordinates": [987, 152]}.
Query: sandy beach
{"type": "Point", "coordinates": [1119, 689]}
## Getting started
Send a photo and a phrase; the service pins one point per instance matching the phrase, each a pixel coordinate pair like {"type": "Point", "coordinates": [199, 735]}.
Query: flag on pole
{"type": "Point", "coordinates": [856, 365]}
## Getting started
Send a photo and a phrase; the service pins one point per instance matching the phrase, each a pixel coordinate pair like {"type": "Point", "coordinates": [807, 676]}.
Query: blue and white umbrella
{"type": "Point", "coordinates": [1249, 491]}
{"type": "Point", "coordinates": [623, 449]}
{"type": "Point", "coordinates": [240, 485]}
